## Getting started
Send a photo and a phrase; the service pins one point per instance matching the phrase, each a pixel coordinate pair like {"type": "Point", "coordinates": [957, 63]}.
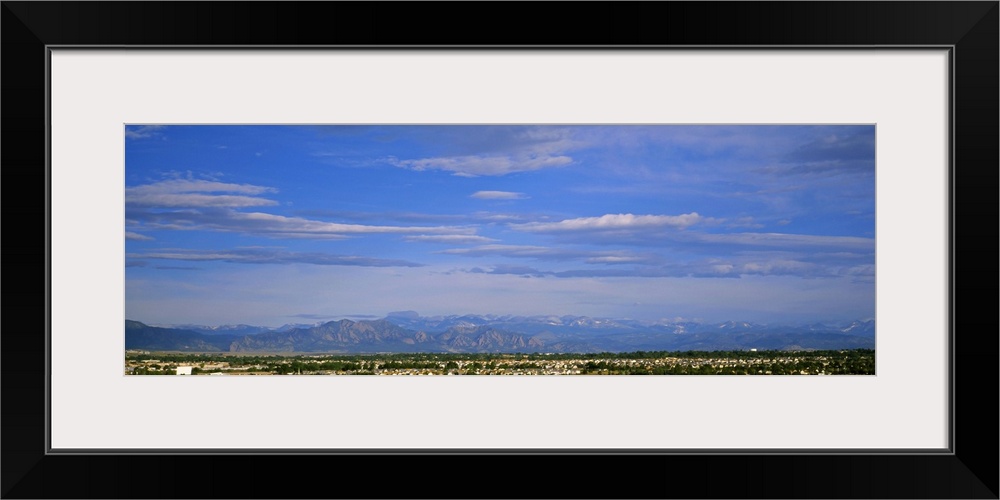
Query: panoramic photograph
{"type": "Point", "coordinates": [541, 249]}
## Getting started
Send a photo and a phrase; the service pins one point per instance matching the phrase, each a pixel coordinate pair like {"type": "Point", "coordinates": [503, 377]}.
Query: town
{"type": "Point", "coordinates": [746, 362]}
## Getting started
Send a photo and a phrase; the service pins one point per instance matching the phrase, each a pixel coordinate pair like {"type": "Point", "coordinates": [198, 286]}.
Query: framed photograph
{"type": "Point", "coordinates": [453, 196]}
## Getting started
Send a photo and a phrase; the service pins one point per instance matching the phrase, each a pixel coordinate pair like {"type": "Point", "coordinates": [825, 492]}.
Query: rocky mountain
{"type": "Point", "coordinates": [483, 339]}
{"type": "Point", "coordinates": [409, 332]}
{"type": "Point", "coordinates": [141, 336]}
{"type": "Point", "coordinates": [865, 327]}
{"type": "Point", "coordinates": [335, 336]}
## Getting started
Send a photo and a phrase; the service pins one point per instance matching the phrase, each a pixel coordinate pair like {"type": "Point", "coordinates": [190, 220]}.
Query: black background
{"type": "Point", "coordinates": [971, 472]}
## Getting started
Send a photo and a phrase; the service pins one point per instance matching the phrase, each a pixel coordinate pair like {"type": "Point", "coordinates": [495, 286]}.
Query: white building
{"type": "Point", "coordinates": [184, 370]}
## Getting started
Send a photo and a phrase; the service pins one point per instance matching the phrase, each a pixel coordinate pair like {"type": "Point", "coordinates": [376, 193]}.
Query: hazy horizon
{"type": "Point", "coordinates": [318, 320]}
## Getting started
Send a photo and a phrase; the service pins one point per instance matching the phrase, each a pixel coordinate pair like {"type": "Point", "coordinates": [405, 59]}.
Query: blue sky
{"type": "Point", "coordinates": [270, 225]}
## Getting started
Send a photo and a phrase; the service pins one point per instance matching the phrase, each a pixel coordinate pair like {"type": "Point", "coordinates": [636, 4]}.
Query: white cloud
{"type": "Point", "coordinates": [612, 222]}
{"type": "Point", "coordinates": [480, 165]}
{"type": "Point", "coordinates": [742, 222]}
{"type": "Point", "coordinates": [494, 217]}
{"type": "Point", "coordinates": [199, 205]}
{"type": "Point", "coordinates": [722, 268]}
{"type": "Point", "coordinates": [788, 240]}
{"type": "Point", "coordinates": [129, 235]}
{"type": "Point", "coordinates": [791, 267]}
{"type": "Point", "coordinates": [473, 151]}
{"type": "Point", "coordinates": [261, 222]}
{"type": "Point", "coordinates": [509, 250]}
{"type": "Point", "coordinates": [458, 239]}
{"type": "Point", "coordinates": [143, 132]}
{"type": "Point", "coordinates": [616, 259]}
{"type": "Point", "coordinates": [270, 256]}
{"type": "Point", "coordinates": [555, 254]}
{"type": "Point", "coordinates": [498, 195]}
{"type": "Point", "coordinates": [196, 200]}
{"type": "Point", "coordinates": [196, 193]}
{"type": "Point", "coordinates": [200, 186]}
{"type": "Point", "coordinates": [270, 225]}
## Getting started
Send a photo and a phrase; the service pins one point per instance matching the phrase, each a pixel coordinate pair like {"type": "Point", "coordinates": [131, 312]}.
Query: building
{"type": "Point", "coordinates": [184, 370]}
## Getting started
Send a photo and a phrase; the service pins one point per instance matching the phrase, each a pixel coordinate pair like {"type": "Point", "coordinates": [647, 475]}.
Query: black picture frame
{"type": "Point", "coordinates": [969, 28]}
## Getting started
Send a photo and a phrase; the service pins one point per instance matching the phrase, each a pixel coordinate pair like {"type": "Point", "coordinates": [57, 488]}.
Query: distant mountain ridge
{"type": "Point", "coordinates": [409, 332]}
{"type": "Point", "coordinates": [223, 329]}
{"type": "Point", "coordinates": [333, 336]}
{"type": "Point", "coordinates": [142, 336]}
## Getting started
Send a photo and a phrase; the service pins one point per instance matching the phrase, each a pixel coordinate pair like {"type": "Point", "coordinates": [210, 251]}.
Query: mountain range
{"type": "Point", "coordinates": [409, 332]}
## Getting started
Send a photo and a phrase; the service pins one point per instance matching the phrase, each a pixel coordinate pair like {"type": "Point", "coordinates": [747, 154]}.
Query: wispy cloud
{"type": "Point", "coordinates": [527, 271]}
{"type": "Point", "coordinates": [803, 263]}
{"type": "Point", "coordinates": [610, 222]}
{"type": "Point", "coordinates": [615, 259]}
{"type": "Point", "coordinates": [712, 268]}
{"type": "Point", "coordinates": [275, 226]}
{"type": "Point", "coordinates": [271, 256]}
{"type": "Point", "coordinates": [555, 254]}
{"type": "Point", "coordinates": [393, 216]}
{"type": "Point", "coordinates": [492, 217]}
{"type": "Point", "coordinates": [457, 239]}
{"type": "Point", "coordinates": [498, 195]}
{"type": "Point", "coordinates": [781, 240]}
{"type": "Point", "coordinates": [312, 316]}
{"type": "Point", "coordinates": [634, 230]}
{"type": "Point", "coordinates": [748, 222]}
{"type": "Point", "coordinates": [143, 131]}
{"type": "Point", "coordinates": [848, 152]}
{"type": "Point", "coordinates": [476, 166]}
{"type": "Point", "coordinates": [188, 204]}
{"type": "Point", "coordinates": [518, 251]}
{"type": "Point", "coordinates": [849, 145]}
{"type": "Point", "coordinates": [129, 235]}
{"type": "Point", "coordinates": [511, 269]}
{"type": "Point", "coordinates": [263, 223]}
{"type": "Point", "coordinates": [496, 150]}
{"type": "Point", "coordinates": [189, 193]}
{"type": "Point", "coordinates": [478, 217]}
